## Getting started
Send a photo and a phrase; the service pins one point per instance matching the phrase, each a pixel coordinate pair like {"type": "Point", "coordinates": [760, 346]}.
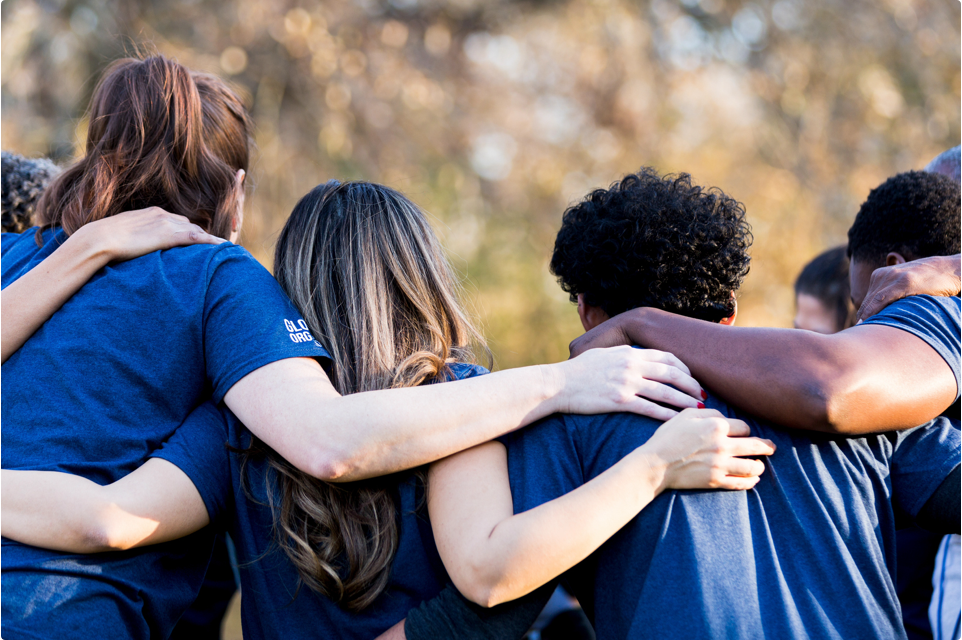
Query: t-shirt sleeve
{"type": "Point", "coordinates": [199, 448]}
{"type": "Point", "coordinates": [922, 458]}
{"type": "Point", "coordinates": [933, 319]}
{"type": "Point", "coordinates": [543, 462]}
{"type": "Point", "coordinates": [248, 321]}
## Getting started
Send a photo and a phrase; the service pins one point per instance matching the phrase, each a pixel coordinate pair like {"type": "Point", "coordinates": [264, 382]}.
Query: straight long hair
{"type": "Point", "coordinates": [361, 263]}
{"type": "Point", "coordinates": [157, 135]}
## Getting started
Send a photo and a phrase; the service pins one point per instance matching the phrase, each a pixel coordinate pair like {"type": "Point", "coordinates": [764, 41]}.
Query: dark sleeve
{"type": "Point", "coordinates": [248, 321]}
{"type": "Point", "coordinates": [942, 512]}
{"type": "Point", "coordinates": [451, 615]}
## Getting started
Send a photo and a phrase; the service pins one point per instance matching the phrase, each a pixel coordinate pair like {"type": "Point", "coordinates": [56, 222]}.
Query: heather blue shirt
{"type": "Point", "coordinates": [237, 498]}
{"type": "Point", "coordinates": [808, 553]}
{"type": "Point", "coordinates": [105, 381]}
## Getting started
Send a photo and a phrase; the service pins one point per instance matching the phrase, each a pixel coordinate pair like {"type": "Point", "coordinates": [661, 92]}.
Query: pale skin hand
{"type": "Point", "coordinates": [29, 301]}
{"type": "Point", "coordinates": [60, 511]}
{"type": "Point", "coordinates": [494, 556]}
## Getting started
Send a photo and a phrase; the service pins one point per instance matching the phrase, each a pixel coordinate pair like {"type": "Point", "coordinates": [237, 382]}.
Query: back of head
{"type": "Point", "coordinates": [915, 214]}
{"type": "Point", "coordinates": [948, 163]}
{"type": "Point", "coordinates": [826, 279]}
{"type": "Point", "coordinates": [361, 263]}
{"type": "Point", "coordinates": [147, 146]}
{"type": "Point", "coordinates": [24, 180]}
{"type": "Point", "coordinates": [654, 241]}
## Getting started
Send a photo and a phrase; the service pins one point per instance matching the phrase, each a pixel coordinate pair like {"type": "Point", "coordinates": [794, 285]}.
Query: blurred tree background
{"type": "Point", "coordinates": [495, 114]}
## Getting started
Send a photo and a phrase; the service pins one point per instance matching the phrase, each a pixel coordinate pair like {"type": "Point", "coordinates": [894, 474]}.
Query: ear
{"type": "Point", "coordinates": [894, 258]}
{"type": "Point", "coordinates": [730, 320]}
{"type": "Point", "coordinates": [590, 316]}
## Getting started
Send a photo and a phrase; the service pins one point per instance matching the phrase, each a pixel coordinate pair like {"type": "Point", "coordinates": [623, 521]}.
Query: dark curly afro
{"type": "Point", "coordinates": [915, 213]}
{"type": "Point", "coordinates": [24, 179]}
{"type": "Point", "coordinates": [652, 241]}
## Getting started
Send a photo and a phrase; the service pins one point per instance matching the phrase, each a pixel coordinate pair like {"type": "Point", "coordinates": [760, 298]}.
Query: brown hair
{"type": "Point", "coordinates": [366, 271]}
{"type": "Point", "coordinates": [157, 135]}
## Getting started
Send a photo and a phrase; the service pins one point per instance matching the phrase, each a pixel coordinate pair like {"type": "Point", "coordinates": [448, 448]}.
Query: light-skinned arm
{"type": "Point", "coordinates": [494, 556]}
{"type": "Point", "coordinates": [291, 405]}
{"type": "Point", "coordinates": [60, 511]}
{"type": "Point", "coordinates": [865, 379]}
{"type": "Point", "coordinates": [30, 300]}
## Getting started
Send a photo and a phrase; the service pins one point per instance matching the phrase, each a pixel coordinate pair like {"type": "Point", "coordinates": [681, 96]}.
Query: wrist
{"type": "Point", "coordinates": [552, 398]}
{"type": "Point", "coordinates": [90, 245]}
{"type": "Point", "coordinates": [652, 470]}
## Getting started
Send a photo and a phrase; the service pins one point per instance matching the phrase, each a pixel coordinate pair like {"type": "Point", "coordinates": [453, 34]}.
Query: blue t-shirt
{"type": "Point", "coordinates": [237, 498]}
{"type": "Point", "coordinates": [807, 553]}
{"type": "Point", "coordinates": [104, 382]}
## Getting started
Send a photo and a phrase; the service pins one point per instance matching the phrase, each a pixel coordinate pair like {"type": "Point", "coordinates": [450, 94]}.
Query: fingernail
{"type": "Point", "coordinates": [701, 405]}
{"type": "Point", "coordinates": [704, 396]}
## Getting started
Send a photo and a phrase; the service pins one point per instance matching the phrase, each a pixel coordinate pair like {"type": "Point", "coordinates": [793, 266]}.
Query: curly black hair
{"type": "Point", "coordinates": [23, 179]}
{"type": "Point", "coordinates": [915, 213]}
{"type": "Point", "coordinates": [652, 241]}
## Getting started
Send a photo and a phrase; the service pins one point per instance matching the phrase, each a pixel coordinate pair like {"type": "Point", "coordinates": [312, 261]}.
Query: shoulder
{"type": "Point", "coordinates": [914, 310]}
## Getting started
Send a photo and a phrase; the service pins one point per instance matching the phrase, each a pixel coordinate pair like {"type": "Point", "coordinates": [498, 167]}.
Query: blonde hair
{"type": "Point", "coordinates": [361, 263]}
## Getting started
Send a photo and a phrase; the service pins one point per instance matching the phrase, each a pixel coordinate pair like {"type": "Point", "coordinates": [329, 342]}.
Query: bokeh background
{"type": "Point", "coordinates": [496, 114]}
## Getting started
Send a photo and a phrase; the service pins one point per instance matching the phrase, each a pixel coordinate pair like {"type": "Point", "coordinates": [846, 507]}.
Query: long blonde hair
{"type": "Point", "coordinates": [361, 263]}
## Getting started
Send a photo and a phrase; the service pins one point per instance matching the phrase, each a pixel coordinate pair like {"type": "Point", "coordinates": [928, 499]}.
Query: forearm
{"type": "Point", "coordinates": [30, 301]}
{"type": "Point", "coordinates": [347, 438]}
{"type": "Point", "coordinates": [526, 550]}
{"type": "Point", "coordinates": [53, 510]}
{"type": "Point", "coordinates": [865, 379]}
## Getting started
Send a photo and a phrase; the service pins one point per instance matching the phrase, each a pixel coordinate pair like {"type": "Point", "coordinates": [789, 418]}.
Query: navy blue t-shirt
{"type": "Point", "coordinates": [104, 382]}
{"type": "Point", "coordinates": [806, 554]}
{"type": "Point", "coordinates": [237, 498]}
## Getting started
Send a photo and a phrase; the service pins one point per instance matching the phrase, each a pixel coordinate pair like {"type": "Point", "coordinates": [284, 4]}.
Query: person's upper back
{"type": "Point", "coordinates": [106, 380]}
{"type": "Point", "coordinates": [236, 489]}
{"type": "Point", "coordinates": [807, 553]}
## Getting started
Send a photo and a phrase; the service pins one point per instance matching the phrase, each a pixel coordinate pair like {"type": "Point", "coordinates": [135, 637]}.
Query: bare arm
{"type": "Point", "coordinates": [30, 301]}
{"type": "Point", "coordinates": [864, 379]}
{"type": "Point", "coordinates": [64, 512]}
{"type": "Point", "coordinates": [292, 406]}
{"type": "Point", "coordinates": [494, 556]}
{"type": "Point", "coordinates": [934, 276]}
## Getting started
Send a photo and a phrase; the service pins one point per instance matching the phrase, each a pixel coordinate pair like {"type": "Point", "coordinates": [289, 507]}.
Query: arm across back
{"type": "Point", "coordinates": [878, 376]}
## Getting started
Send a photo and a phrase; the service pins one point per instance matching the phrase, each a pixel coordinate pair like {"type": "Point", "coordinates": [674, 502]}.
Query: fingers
{"type": "Point", "coordinates": [664, 357]}
{"type": "Point", "coordinates": [744, 468]}
{"type": "Point", "coordinates": [670, 374]}
{"type": "Point", "coordinates": [663, 393]}
{"type": "Point", "coordinates": [736, 483]}
{"type": "Point", "coordinates": [643, 407]}
{"type": "Point", "coordinates": [875, 303]}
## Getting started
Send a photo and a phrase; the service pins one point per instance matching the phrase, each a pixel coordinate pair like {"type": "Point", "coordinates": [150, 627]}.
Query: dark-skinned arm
{"type": "Point", "coordinates": [865, 379]}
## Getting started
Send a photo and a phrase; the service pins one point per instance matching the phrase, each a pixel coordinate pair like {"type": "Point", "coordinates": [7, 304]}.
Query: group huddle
{"type": "Point", "coordinates": [339, 423]}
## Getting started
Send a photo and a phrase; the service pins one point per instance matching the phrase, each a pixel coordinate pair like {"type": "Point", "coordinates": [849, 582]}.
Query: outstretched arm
{"type": "Point", "coordinates": [865, 379]}
{"type": "Point", "coordinates": [494, 556]}
{"type": "Point", "coordinates": [156, 503]}
{"type": "Point", "coordinates": [29, 301]}
{"type": "Point", "coordinates": [292, 406]}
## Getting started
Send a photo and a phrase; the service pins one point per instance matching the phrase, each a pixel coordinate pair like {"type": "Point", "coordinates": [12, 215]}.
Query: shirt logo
{"type": "Point", "coordinates": [299, 332]}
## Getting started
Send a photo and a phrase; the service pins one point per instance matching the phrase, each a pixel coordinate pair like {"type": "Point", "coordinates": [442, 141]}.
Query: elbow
{"type": "Point", "coordinates": [98, 537]}
{"type": "Point", "coordinates": [481, 586]}
{"type": "Point", "coordinates": [332, 466]}
{"type": "Point", "coordinates": [825, 406]}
